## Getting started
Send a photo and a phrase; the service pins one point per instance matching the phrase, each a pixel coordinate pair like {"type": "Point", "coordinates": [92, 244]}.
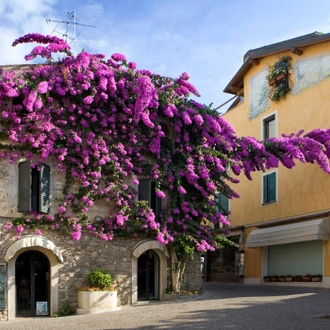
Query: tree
{"type": "Point", "coordinates": [105, 121]}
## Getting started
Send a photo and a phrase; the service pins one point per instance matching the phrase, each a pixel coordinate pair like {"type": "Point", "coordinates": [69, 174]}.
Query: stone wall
{"type": "Point", "coordinates": [80, 257]}
{"type": "Point", "coordinates": [192, 278]}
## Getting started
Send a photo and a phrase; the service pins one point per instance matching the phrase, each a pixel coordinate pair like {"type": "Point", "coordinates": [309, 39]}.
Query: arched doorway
{"type": "Point", "coordinates": [32, 280]}
{"type": "Point", "coordinates": [148, 276]}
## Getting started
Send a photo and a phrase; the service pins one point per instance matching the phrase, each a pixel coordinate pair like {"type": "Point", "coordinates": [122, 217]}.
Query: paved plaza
{"type": "Point", "coordinates": [221, 306]}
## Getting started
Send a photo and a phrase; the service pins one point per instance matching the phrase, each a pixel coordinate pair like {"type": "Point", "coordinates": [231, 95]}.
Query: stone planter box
{"type": "Point", "coordinates": [91, 302]}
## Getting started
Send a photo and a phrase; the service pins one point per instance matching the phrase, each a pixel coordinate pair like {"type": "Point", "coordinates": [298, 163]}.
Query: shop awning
{"type": "Point", "coordinates": [295, 232]}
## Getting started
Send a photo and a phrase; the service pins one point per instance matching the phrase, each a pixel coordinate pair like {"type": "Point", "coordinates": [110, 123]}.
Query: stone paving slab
{"type": "Point", "coordinates": [221, 306]}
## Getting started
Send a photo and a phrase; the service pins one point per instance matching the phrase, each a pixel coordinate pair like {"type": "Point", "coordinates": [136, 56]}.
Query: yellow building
{"type": "Point", "coordinates": [281, 218]}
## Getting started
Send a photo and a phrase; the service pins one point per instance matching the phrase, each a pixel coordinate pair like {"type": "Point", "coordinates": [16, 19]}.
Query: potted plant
{"type": "Point", "coordinates": [281, 278]}
{"type": "Point", "coordinates": [298, 278]}
{"type": "Point", "coordinates": [274, 278]}
{"type": "Point", "coordinates": [99, 295]}
{"type": "Point", "coordinates": [316, 277]}
{"type": "Point", "coordinates": [289, 278]}
{"type": "Point", "coordinates": [278, 78]}
{"type": "Point", "coordinates": [307, 277]}
{"type": "Point", "coordinates": [267, 278]}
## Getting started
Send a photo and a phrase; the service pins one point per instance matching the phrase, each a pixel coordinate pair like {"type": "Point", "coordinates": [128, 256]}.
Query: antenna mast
{"type": "Point", "coordinates": [71, 22]}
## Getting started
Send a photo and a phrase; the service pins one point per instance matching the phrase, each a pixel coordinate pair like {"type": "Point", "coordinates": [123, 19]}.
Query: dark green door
{"type": "Point", "coordinates": [32, 284]}
{"type": "Point", "coordinates": [148, 276]}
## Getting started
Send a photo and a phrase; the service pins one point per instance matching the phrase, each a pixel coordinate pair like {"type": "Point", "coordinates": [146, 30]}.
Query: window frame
{"type": "Point", "coordinates": [154, 202]}
{"type": "Point", "coordinates": [219, 196]}
{"type": "Point", "coordinates": [266, 120]}
{"type": "Point", "coordinates": [266, 201]}
{"type": "Point", "coordinates": [3, 282]}
{"type": "Point", "coordinates": [33, 187]}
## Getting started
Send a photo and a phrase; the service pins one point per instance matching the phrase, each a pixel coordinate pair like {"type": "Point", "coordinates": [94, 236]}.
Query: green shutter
{"type": "Point", "coordinates": [144, 190]}
{"type": "Point", "coordinates": [158, 207]}
{"type": "Point", "coordinates": [271, 187]}
{"type": "Point", "coordinates": [24, 186]}
{"type": "Point", "coordinates": [265, 184]}
{"type": "Point", "coordinates": [224, 204]}
{"type": "Point", "coordinates": [44, 188]}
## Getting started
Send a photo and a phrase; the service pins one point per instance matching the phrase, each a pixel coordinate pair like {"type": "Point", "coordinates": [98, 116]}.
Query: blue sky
{"type": "Point", "coordinates": [205, 38]}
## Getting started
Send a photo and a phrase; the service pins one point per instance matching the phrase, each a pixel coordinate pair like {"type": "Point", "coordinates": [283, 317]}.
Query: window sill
{"type": "Point", "coordinates": [269, 203]}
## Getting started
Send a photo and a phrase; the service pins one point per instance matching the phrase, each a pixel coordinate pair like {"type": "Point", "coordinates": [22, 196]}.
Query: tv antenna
{"type": "Point", "coordinates": [73, 21]}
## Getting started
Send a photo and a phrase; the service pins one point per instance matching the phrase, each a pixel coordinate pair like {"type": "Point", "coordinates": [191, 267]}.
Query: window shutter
{"type": "Point", "coordinates": [265, 184]}
{"type": "Point", "coordinates": [158, 207]}
{"type": "Point", "coordinates": [44, 183]}
{"type": "Point", "coordinates": [224, 204]}
{"type": "Point", "coordinates": [24, 186]}
{"type": "Point", "coordinates": [144, 190]}
{"type": "Point", "coordinates": [271, 187]}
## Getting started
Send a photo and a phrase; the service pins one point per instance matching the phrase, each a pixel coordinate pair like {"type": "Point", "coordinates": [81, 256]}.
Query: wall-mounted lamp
{"type": "Point", "coordinates": [98, 218]}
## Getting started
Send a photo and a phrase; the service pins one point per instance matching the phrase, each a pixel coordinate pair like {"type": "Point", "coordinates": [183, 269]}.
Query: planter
{"type": "Point", "coordinates": [317, 279]}
{"type": "Point", "coordinates": [289, 279]}
{"type": "Point", "coordinates": [281, 279]}
{"type": "Point", "coordinates": [90, 302]}
{"type": "Point", "coordinates": [274, 279]}
{"type": "Point", "coordinates": [272, 82]}
{"type": "Point", "coordinates": [298, 279]}
{"type": "Point", "coordinates": [306, 279]}
{"type": "Point", "coordinates": [267, 279]}
{"type": "Point", "coordinates": [280, 77]}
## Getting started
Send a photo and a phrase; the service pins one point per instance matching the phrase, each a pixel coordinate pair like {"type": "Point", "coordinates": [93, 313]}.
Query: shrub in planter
{"type": "Point", "coordinates": [282, 278]}
{"type": "Point", "coordinates": [298, 278]}
{"type": "Point", "coordinates": [100, 279]}
{"type": "Point", "coordinates": [316, 278]}
{"type": "Point", "coordinates": [307, 277]}
{"type": "Point", "coordinates": [289, 278]}
{"type": "Point", "coordinates": [267, 278]}
{"type": "Point", "coordinates": [99, 295]}
{"type": "Point", "coordinates": [274, 278]}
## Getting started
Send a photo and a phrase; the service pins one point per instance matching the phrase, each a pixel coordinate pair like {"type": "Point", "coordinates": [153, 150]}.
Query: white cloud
{"type": "Point", "coordinates": [17, 19]}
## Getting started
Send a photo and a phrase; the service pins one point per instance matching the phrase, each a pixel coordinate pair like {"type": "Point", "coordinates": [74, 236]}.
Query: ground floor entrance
{"type": "Point", "coordinates": [222, 265]}
{"type": "Point", "coordinates": [148, 276]}
{"type": "Point", "coordinates": [32, 281]}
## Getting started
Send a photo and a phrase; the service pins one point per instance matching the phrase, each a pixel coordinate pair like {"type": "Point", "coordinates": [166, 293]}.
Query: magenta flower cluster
{"type": "Point", "coordinates": [106, 123]}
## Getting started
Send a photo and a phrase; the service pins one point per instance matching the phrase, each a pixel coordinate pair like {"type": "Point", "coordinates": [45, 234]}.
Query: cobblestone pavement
{"type": "Point", "coordinates": [221, 306]}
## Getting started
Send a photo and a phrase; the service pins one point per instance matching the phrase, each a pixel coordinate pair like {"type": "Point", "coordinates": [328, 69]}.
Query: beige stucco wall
{"type": "Point", "coordinates": [301, 190]}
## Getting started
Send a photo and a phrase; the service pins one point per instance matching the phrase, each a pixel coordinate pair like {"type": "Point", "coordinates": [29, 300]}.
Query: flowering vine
{"type": "Point", "coordinates": [106, 123]}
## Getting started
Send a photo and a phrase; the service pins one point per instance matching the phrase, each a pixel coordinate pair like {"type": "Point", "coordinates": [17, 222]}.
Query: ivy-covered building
{"type": "Point", "coordinates": [45, 266]}
{"type": "Point", "coordinates": [281, 219]}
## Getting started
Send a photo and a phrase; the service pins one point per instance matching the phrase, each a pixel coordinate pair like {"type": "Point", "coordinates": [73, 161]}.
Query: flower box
{"type": "Point", "coordinates": [280, 77]}
{"type": "Point", "coordinates": [306, 278]}
{"type": "Point", "coordinates": [289, 279]}
{"type": "Point", "coordinates": [317, 279]}
{"type": "Point", "coordinates": [272, 82]}
{"type": "Point", "coordinates": [298, 278]}
{"type": "Point", "coordinates": [90, 302]}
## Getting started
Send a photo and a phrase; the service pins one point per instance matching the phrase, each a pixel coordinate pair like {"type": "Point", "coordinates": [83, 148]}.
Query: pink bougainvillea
{"type": "Point", "coordinates": [104, 122]}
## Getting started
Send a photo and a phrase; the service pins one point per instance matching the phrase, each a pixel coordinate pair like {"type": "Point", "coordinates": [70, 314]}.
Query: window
{"type": "Point", "coordinates": [223, 208]}
{"type": "Point", "coordinates": [223, 204]}
{"type": "Point", "coordinates": [147, 192]}
{"type": "Point", "coordinates": [269, 127]}
{"type": "Point", "coordinates": [33, 190]}
{"type": "Point", "coordinates": [2, 285]}
{"type": "Point", "coordinates": [269, 188]}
